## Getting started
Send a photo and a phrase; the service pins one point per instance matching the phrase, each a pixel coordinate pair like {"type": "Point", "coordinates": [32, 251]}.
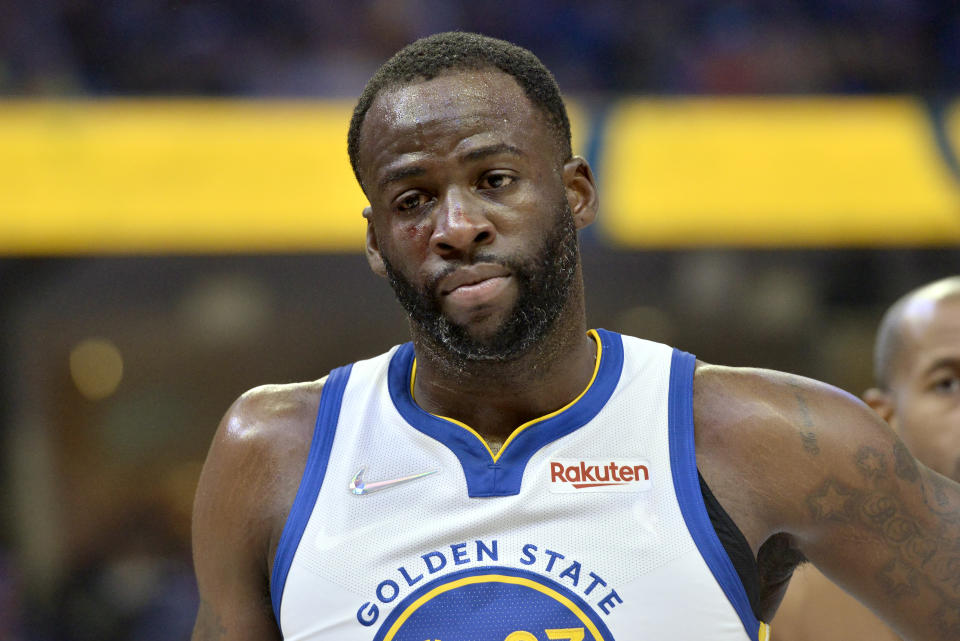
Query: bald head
{"type": "Point", "coordinates": [909, 314]}
{"type": "Point", "coordinates": [918, 374]}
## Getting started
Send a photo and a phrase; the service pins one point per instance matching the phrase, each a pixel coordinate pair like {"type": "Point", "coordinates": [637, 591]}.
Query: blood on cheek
{"type": "Point", "coordinates": [414, 236]}
{"type": "Point", "coordinates": [417, 231]}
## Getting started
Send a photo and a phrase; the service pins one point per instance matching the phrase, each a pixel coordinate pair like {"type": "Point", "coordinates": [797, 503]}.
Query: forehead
{"type": "Point", "coordinates": [432, 115]}
{"type": "Point", "coordinates": [455, 94]}
{"type": "Point", "coordinates": [931, 329]}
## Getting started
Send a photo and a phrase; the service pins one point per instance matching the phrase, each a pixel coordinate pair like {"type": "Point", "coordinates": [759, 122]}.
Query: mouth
{"type": "Point", "coordinates": [475, 278]}
{"type": "Point", "coordinates": [474, 287]}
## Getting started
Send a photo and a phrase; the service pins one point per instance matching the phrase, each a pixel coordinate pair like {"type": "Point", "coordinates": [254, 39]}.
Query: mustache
{"type": "Point", "coordinates": [433, 282]}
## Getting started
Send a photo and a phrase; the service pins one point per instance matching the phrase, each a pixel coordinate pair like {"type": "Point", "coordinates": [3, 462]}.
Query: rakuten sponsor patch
{"type": "Point", "coordinates": [599, 475]}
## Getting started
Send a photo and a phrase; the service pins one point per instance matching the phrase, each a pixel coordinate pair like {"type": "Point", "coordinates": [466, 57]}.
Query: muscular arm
{"type": "Point", "coordinates": [792, 458]}
{"type": "Point", "coordinates": [246, 489]}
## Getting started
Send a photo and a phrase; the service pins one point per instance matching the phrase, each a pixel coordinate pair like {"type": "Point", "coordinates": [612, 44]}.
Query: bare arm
{"type": "Point", "coordinates": [816, 608]}
{"type": "Point", "coordinates": [246, 489]}
{"type": "Point", "coordinates": [798, 458]}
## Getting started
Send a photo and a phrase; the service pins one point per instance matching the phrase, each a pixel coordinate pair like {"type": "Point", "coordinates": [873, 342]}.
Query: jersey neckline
{"type": "Point", "coordinates": [487, 474]}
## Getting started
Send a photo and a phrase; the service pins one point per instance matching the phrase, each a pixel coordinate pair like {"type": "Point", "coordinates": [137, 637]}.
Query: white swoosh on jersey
{"type": "Point", "coordinates": [359, 487]}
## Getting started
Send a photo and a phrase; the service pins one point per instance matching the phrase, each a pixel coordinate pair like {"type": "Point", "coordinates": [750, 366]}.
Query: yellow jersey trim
{"type": "Point", "coordinates": [495, 456]}
{"type": "Point", "coordinates": [764, 634]}
{"type": "Point", "coordinates": [488, 578]}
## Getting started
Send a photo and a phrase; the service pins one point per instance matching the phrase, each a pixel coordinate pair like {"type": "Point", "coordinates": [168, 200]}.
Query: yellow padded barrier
{"type": "Point", "coordinates": [775, 172]}
{"type": "Point", "coordinates": [171, 175]}
{"type": "Point", "coordinates": [213, 176]}
{"type": "Point", "coordinates": [124, 176]}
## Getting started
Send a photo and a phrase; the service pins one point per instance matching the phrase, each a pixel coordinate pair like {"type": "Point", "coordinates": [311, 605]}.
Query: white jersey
{"type": "Point", "coordinates": [588, 524]}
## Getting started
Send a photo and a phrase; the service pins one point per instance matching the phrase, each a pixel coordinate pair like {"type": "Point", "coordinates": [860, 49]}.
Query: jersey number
{"type": "Point", "coordinates": [561, 634]}
{"type": "Point", "coordinates": [554, 634]}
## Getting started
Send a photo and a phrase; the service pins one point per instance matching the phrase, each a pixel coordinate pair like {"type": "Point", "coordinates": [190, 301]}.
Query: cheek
{"type": "Point", "coordinates": [415, 232]}
{"type": "Point", "coordinates": [932, 432]}
{"type": "Point", "coordinates": [409, 239]}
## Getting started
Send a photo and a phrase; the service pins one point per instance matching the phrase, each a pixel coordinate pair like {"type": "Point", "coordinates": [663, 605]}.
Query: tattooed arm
{"type": "Point", "coordinates": [804, 463]}
{"type": "Point", "coordinates": [246, 489]}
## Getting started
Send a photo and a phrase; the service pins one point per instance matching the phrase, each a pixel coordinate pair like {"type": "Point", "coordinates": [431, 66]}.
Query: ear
{"type": "Point", "coordinates": [373, 247]}
{"type": "Point", "coordinates": [581, 191]}
{"type": "Point", "coordinates": [882, 403]}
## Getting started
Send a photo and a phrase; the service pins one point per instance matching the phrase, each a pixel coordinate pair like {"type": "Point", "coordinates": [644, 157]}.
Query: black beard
{"type": "Point", "coordinates": [543, 281]}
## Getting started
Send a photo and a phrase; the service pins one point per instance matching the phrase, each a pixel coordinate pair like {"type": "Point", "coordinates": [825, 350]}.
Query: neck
{"type": "Point", "coordinates": [494, 398]}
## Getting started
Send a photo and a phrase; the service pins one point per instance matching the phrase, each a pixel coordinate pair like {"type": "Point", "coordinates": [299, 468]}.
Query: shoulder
{"type": "Point", "coordinates": [269, 426]}
{"type": "Point", "coordinates": [739, 393]}
{"type": "Point", "coordinates": [803, 461]}
{"type": "Point", "coordinates": [261, 445]}
{"type": "Point", "coordinates": [766, 439]}
{"type": "Point", "coordinates": [770, 406]}
{"type": "Point", "coordinates": [246, 489]}
{"type": "Point", "coordinates": [271, 415]}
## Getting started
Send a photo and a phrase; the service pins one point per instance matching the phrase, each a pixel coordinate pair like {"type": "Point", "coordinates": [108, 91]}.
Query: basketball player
{"type": "Point", "coordinates": [917, 370]}
{"type": "Point", "coordinates": [511, 476]}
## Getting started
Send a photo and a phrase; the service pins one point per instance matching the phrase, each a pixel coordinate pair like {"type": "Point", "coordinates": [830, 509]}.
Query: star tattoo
{"type": "Point", "coordinates": [831, 502]}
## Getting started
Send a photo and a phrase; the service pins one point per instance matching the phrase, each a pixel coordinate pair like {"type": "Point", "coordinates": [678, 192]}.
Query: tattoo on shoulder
{"type": "Point", "coordinates": [947, 620]}
{"type": "Point", "coordinates": [905, 466]}
{"type": "Point", "coordinates": [810, 443]}
{"type": "Point", "coordinates": [871, 463]}
{"type": "Point", "coordinates": [922, 559]}
{"type": "Point", "coordinates": [209, 624]}
{"type": "Point", "coordinates": [898, 579]}
{"type": "Point", "coordinates": [805, 416]}
{"type": "Point", "coordinates": [809, 437]}
{"type": "Point", "coordinates": [940, 502]}
{"type": "Point", "coordinates": [834, 501]}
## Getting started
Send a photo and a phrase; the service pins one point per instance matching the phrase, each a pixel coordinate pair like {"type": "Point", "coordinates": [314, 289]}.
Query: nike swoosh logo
{"type": "Point", "coordinates": [359, 487]}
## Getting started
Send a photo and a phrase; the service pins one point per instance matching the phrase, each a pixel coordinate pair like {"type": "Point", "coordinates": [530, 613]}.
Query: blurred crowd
{"type": "Point", "coordinates": [308, 48]}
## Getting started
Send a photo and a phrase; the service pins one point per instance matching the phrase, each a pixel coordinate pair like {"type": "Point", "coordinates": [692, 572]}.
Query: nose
{"type": "Point", "coordinates": [460, 226]}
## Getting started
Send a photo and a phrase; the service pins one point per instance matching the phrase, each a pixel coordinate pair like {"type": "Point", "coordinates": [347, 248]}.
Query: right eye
{"type": "Point", "coordinates": [410, 201]}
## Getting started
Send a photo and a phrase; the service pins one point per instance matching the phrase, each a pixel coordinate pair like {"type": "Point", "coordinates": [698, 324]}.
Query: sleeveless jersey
{"type": "Point", "coordinates": [588, 524]}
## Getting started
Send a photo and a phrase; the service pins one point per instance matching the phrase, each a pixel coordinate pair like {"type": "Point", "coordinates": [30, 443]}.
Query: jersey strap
{"type": "Point", "coordinates": [327, 416]}
{"type": "Point", "coordinates": [683, 463]}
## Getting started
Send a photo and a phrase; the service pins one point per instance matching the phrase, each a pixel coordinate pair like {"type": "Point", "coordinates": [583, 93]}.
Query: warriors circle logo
{"type": "Point", "coordinates": [493, 603]}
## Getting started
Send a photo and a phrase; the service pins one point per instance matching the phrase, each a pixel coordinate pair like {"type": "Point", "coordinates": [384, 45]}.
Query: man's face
{"type": "Point", "coordinates": [470, 215]}
{"type": "Point", "coordinates": [925, 386]}
{"type": "Point", "coordinates": [543, 279]}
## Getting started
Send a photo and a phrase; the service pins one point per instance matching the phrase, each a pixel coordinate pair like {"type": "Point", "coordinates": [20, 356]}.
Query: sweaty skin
{"type": "Point", "coordinates": [461, 171]}
{"type": "Point", "coordinates": [922, 404]}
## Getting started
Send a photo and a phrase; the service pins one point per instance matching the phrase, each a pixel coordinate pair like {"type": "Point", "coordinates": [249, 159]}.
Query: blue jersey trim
{"type": "Point", "coordinates": [485, 477]}
{"type": "Point", "coordinates": [327, 416]}
{"type": "Point", "coordinates": [683, 463]}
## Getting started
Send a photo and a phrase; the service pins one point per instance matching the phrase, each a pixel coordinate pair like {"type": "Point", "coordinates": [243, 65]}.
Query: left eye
{"type": "Point", "coordinates": [495, 181]}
